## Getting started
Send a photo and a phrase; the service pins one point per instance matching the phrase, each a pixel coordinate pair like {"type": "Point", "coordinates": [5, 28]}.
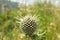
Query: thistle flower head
{"type": "Point", "coordinates": [28, 24]}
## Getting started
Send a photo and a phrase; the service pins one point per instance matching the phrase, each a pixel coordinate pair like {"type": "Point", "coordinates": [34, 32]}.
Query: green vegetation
{"type": "Point", "coordinates": [47, 27]}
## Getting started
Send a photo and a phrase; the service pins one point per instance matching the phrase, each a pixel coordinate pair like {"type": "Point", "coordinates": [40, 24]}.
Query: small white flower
{"type": "Point", "coordinates": [58, 35]}
{"type": "Point", "coordinates": [22, 35]}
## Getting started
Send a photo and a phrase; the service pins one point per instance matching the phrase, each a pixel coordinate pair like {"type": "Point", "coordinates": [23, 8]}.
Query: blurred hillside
{"type": "Point", "coordinates": [7, 5]}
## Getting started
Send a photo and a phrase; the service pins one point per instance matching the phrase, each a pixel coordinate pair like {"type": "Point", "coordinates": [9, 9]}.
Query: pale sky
{"type": "Point", "coordinates": [23, 1]}
{"type": "Point", "coordinates": [55, 2]}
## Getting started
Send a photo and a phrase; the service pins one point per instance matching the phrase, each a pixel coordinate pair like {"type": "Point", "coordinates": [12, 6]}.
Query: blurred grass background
{"type": "Point", "coordinates": [48, 25]}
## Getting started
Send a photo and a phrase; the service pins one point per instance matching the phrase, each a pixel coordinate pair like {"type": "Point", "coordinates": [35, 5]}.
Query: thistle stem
{"type": "Point", "coordinates": [29, 38]}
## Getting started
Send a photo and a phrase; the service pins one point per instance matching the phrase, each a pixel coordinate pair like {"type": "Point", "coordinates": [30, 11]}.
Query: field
{"type": "Point", "coordinates": [48, 24]}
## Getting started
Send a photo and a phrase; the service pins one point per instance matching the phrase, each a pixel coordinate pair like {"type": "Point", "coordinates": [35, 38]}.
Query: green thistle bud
{"type": "Point", "coordinates": [28, 25]}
